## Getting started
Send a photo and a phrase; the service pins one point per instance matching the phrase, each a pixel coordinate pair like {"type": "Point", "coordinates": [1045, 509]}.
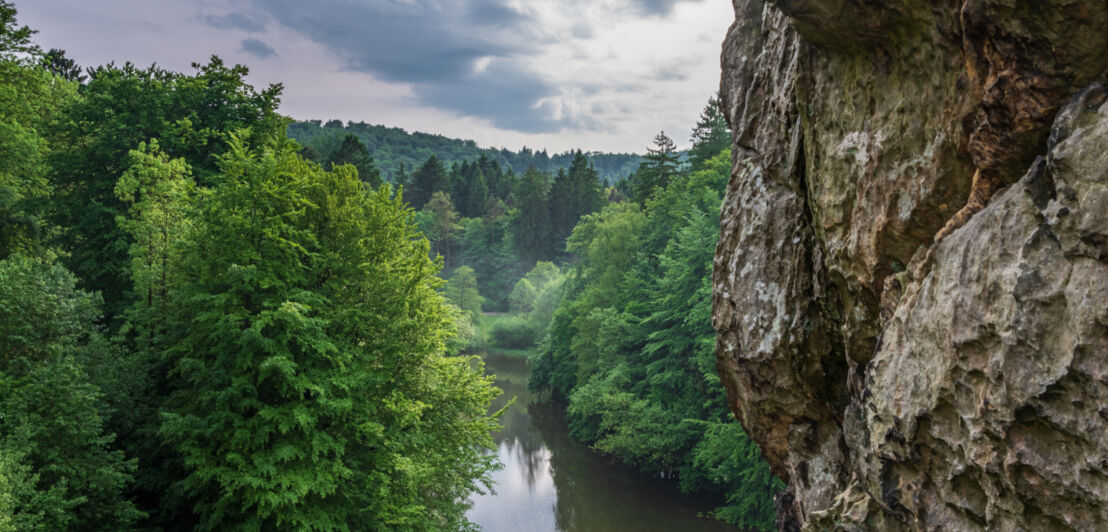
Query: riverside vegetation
{"type": "Point", "coordinates": [205, 324]}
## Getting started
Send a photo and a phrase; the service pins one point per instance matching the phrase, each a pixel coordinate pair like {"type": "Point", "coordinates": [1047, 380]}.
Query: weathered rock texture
{"type": "Point", "coordinates": [892, 381]}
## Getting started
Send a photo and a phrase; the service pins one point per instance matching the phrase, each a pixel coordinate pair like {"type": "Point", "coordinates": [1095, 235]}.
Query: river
{"type": "Point", "coordinates": [552, 483]}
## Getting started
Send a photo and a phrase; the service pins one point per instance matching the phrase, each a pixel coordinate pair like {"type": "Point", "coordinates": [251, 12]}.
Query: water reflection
{"type": "Point", "coordinates": [552, 483]}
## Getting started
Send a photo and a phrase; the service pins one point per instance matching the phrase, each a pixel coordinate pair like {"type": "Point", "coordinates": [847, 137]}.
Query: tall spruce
{"type": "Point", "coordinates": [711, 134]}
{"type": "Point", "coordinates": [352, 151]}
{"type": "Point", "coordinates": [660, 167]}
{"type": "Point", "coordinates": [531, 231]}
{"type": "Point", "coordinates": [573, 194]}
{"type": "Point", "coordinates": [429, 178]}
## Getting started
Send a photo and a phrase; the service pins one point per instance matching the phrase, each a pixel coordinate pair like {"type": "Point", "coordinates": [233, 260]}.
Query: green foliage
{"type": "Point", "coordinates": [429, 178]}
{"type": "Point", "coordinates": [522, 298]}
{"type": "Point", "coordinates": [393, 147]}
{"type": "Point", "coordinates": [482, 245]}
{"type": "Point", "coordinates": [31, 101]}
{"type": "Point", "coordinates": [461, 289]}
{"type": "Point", "coordinates": [711, 134]}
{"type": "Point", "coordinates": [533, 301]}
{"type": "Point", "coordinates": [13, 38]}
{"type": "Point", "coordinates": [121, 107]}
{"type": "Point", "coordinates": [631, 348]}
{"type": "Point", "coordinates": [468, 335]}
{"type": "Point", "coordinates": [438, 221]}
{"type": "Point", "coordinates": [572, 195]}
{"type": "Point", "coordinates": [531, 227]}
{"type": "Point", "coordinates": [158, 194]}
{"type": "Point", "coordinates": [63, 67]}
{"type": "Point", "coordinates": [312, 369]}
{"type": "Point", "coordinates": [352, 151]}
{"type": "Point", "coordinates": [514, 332]}
{"type": "Point", "coordinates": [62, 472]}
{"type": "Point", "coordinates": [660, 167]}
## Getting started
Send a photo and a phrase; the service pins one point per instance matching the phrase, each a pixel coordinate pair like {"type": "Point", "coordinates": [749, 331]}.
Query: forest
{"type": "Point", "coordinates": [213, 317]}
{"type": "Point", "coordinates": [397, 152]}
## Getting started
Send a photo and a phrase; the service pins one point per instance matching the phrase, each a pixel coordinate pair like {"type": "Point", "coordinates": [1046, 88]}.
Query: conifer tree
{"type": "Point", "coordinates": [710, 136]}
{"type": "Point", "coordinates": [477, 198]}
{"type": "Point", "coordinates": [353, 151]}
{"type": "Point", "coordinates": [531, 227]}
{"type": "Point", "coordinates": [429, 178]}
{"type": "Point", "coordinates": [573, 194]}
{"type": "Point", "coordinates": [660, 166]}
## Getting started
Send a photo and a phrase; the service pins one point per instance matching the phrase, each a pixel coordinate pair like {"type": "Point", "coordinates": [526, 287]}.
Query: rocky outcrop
{"type": "Point", "coordinates": [911, 284]}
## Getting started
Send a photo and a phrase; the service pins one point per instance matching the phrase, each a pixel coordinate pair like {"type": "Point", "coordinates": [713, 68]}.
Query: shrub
{"type": "Point", "coordinates": [514, 332]}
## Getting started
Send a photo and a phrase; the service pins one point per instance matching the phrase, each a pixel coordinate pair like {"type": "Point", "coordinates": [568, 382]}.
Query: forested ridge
{"type": "Point", "coordinates": [212, 317]}
{"type": "Point", "coordinates": [395, 149]}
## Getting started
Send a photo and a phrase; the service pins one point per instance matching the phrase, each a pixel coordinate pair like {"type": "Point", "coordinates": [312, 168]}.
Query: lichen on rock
{"type": "Point", "coordinates": [896, 379]}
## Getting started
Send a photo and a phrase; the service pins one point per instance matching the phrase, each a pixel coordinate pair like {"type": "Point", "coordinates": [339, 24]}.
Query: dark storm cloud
{"type": "Point", "coordinates": [258, 48]}
{"type": "Point", "coordinates": [495, 14]}
{"type": "Point", "coordinates": [421, 41]}
{"type": "Point", "coordinates": [436, 46]}
{"type": "Point", "coordinates": [234, 21]}
{"type": "Point", "coordinates": [503, 93]}
{"type": "Point", "coordinates": [658, 7]}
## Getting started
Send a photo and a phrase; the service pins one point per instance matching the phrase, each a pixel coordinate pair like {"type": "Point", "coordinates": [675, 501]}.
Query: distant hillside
{"type": "Point", "coordinates": [392, 146]}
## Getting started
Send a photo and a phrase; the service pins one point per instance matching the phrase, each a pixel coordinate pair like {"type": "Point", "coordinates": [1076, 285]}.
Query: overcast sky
{"type": "Point", "coordinates": [557, 74]}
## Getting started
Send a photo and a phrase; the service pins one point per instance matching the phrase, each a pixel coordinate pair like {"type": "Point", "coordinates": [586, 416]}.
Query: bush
{"type": "Point", "coordinates": [514, 332]}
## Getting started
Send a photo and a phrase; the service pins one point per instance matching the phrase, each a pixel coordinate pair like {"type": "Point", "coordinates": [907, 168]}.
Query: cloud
{"type": "Point", "coordinates": [462, 56]}
{"type": "Point", "coordinates": [487, 59]}
{"type": "Point", "coordinates": [504, 92]}
{"type": "Point", "coordinates": [409, 41]}
{"type": "Point", "coordinates": [258, 48]}
{"type": "Point", "coordinates": [658, 7]}
{"type": "Point", "coordinates": [234, 21]}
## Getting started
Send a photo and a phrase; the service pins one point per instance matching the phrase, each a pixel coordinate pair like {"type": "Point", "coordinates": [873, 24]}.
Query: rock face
{"type": "Point", "coordinates": [911, 284]}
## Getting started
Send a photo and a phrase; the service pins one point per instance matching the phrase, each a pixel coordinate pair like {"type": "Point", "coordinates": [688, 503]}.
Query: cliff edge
{"type": "Point", "coordinates": [911, 283]}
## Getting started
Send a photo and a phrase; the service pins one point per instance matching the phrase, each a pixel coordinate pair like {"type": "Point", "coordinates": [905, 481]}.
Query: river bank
{"type": "Point", "coordinates": [552, 483]}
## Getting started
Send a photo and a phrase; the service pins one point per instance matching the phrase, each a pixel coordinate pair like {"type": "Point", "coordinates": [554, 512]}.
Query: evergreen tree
{"type": "Point", "coordinates": [352, 151]}
{"type": "Point", "coordinates": [458, 177]}
{"type": "Point", "coordinates": [477, 198]}
{"type": "Point", "coordinates": [401, 178]}
{"type": "Point", "coordinates": [710, 136]}
{"type": "Point", "coordinates": [429, 178]}
{"type": "Point", "coordinates": [531, 226]}
{"type": "Point", "coordinates": [657, 170]}
{"type": "Point", "coordinates": [574, 194]}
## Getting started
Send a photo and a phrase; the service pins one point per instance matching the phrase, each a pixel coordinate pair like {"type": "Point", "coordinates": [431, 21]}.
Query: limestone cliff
{"type": "Point", "coordinates": [911, 284]}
